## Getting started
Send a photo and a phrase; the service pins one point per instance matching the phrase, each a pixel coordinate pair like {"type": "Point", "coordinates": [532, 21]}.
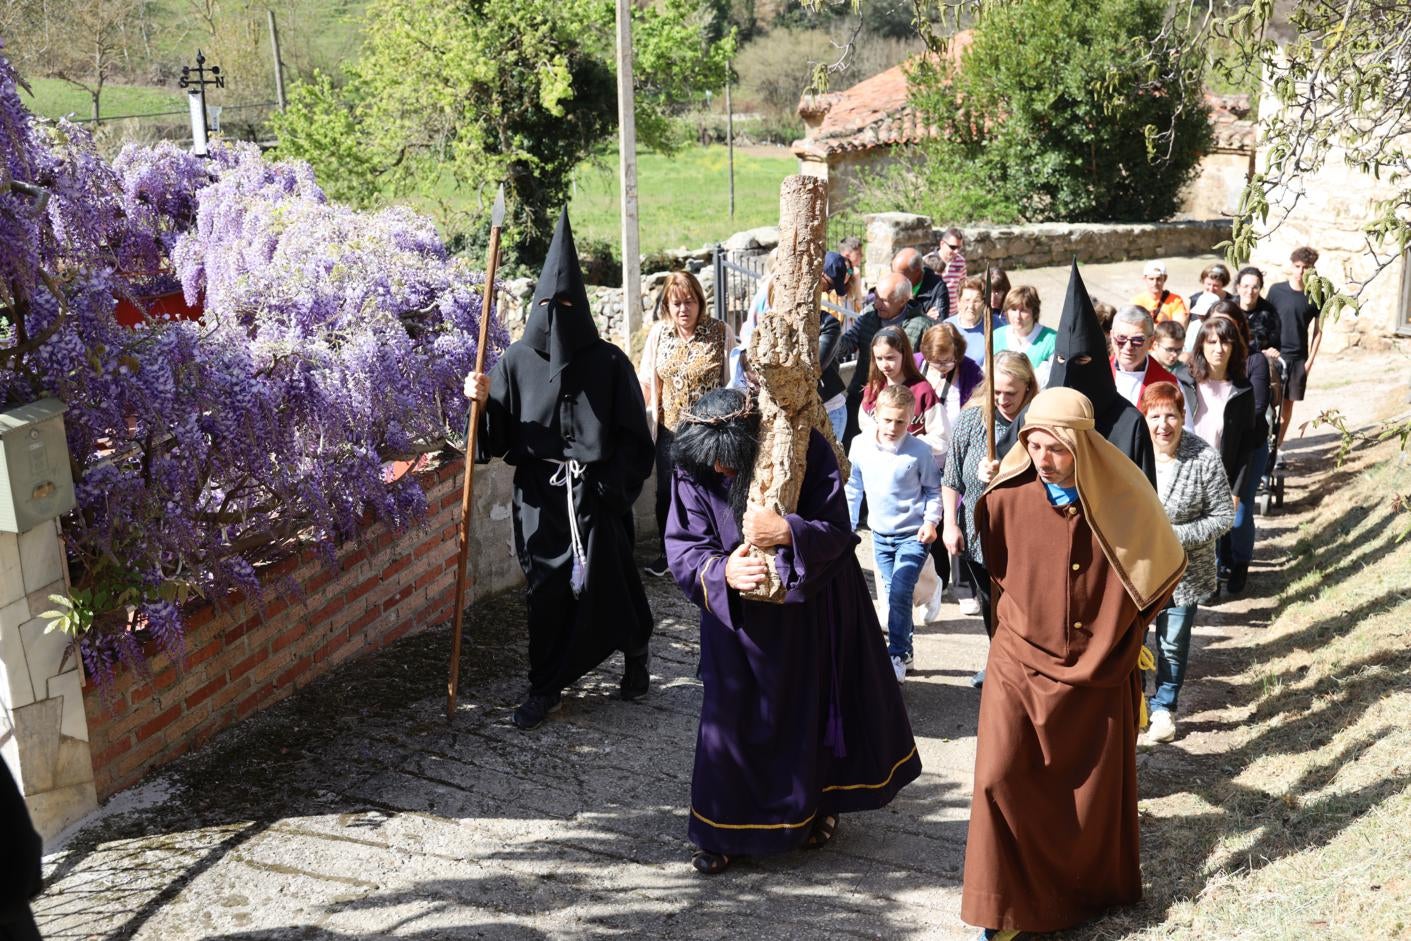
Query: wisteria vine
{"type": "Point", "coordinates": [332, 342]}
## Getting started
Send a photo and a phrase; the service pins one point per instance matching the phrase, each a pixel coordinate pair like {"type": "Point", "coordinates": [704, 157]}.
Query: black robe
{"type": "Point", "coordinates": [1116, 419]}
{"type": "Point", "coordinates": [562, 393]}
{"type": "Point", "coordinates": [20, 875]}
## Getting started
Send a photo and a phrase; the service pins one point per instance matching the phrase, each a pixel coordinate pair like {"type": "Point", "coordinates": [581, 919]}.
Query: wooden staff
{"type": "Point", "coordinates": [989, 403]}
{"type": "Point", "coordinates": [497, 219]}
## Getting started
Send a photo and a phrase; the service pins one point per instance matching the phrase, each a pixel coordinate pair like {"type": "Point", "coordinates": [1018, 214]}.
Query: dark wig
{"type": "Point", "coordinates": [721, 428]}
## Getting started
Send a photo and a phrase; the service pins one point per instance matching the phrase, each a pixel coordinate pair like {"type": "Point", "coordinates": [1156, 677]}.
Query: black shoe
{"type": "Point", "coordinates": [708, 863]}
{"type": "Point", "coordinates": [531, 713]}
{"type": "Point", "coordinates": [636, 679]}
{"type": "Point", "coordinates": [1239, 577]}
{"type": "Point", "coordinates": [657, 566]}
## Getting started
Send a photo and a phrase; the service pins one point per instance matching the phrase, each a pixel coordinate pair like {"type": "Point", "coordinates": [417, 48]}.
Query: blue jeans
{"type": "Point", "coordinates": [1173, 644]}
{"type": "Point", "coordinates": [1237, 546]}
{"type": "Point", "coordinates": [899, 559]}
{"type": "Point", "coordinates": [839, 419]}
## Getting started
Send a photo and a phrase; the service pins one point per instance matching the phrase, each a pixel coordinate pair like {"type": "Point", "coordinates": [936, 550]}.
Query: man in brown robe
{"type": "Point", "coordinates": [1082, 558]}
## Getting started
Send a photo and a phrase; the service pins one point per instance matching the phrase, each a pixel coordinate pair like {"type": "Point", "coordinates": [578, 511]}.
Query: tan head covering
{"type": "Point", "coordinates": [1122, 509]}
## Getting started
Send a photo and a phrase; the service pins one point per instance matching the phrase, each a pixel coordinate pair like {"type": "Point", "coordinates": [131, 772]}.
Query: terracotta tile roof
{"type": "Point", "coordinates": [872, 113]}
{"type": "Point", "coordinates": [875, 113]}
{"type": "Point", "coordinates": [1230, 125]}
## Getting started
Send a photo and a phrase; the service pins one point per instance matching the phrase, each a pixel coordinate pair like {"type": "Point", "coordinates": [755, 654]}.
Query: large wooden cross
{"type": "Point", "coordinates": [783, 352]}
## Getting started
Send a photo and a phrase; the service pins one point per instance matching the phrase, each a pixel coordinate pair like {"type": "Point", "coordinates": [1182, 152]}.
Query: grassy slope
{"type": "Point", "coordinates": [683, 198]}
{"type": "Point", "coordinates": [54, 98]}
{"type": "Point", "coordinates": [323, 33]}
{"type": "Point", "coordinates": [1283, 811]}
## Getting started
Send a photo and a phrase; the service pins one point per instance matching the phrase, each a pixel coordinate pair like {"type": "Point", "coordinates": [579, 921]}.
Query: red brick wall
{"type": "Point", "coordinates": [240, 659]}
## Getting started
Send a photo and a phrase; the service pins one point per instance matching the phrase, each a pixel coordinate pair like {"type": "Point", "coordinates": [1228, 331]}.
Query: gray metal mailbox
{"type": "Point", "coordinates": [36, 484]}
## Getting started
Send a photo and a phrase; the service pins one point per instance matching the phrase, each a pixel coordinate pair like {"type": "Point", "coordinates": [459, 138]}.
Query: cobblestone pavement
{"type": "Point", "coordinates": [355, 810]}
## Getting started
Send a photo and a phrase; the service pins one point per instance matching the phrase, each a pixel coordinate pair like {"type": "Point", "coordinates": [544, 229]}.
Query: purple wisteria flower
{"type": "Point", "coordinates": [332, 341]}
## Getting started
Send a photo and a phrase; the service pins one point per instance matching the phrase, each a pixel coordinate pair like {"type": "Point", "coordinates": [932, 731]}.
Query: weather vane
{"type": "Point", "coordinates": [195, 82]}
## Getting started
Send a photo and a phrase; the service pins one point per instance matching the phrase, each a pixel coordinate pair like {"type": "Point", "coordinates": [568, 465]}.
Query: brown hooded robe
{"type": "Point", "coordinates": [1053, 837]}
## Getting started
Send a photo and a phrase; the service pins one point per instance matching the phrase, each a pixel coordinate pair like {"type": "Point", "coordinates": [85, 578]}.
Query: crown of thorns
{"type": "Point", "coordinates": [717, 420]}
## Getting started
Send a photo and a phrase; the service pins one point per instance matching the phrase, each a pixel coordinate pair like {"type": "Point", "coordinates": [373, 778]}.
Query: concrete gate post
{"type": "Point", "coordinates": [43, 727]}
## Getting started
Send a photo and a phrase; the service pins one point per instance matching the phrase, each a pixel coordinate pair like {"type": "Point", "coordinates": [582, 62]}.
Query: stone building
{"type": "Point", "coordinates": [1227, 168]}
{"type": "Point", "coordinates": [1327, 210]}
{"type": "Point", "coordinates": [861, 130]}
{"type": "Point", "coordinates": [866, 128]}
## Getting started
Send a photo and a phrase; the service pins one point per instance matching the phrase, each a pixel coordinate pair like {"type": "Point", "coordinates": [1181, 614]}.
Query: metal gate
{"type": "Point", "coordinates": [738, 277]}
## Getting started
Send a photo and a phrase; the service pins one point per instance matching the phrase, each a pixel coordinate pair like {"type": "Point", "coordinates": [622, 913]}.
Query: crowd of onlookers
{"type": "Point", "coordinates": [1215, 374]}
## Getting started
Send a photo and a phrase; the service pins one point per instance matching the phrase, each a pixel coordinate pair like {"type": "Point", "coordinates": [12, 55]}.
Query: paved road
{"type": "Point", "coordinates": [354, 810]}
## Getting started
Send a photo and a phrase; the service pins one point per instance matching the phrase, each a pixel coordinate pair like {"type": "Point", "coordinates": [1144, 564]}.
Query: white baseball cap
{"type": "Point", "coordinates": [1154, 269]}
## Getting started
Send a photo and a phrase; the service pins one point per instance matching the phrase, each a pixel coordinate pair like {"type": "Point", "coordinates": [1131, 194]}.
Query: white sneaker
{"type": "Point", "coordinates": [1161, 727]}
{"type": "Point", "coordinates": [899, 668]}
{"type": "Point", "coordinates": [969, 607]}
{"type": "Point", "coordinates": [933, 607]}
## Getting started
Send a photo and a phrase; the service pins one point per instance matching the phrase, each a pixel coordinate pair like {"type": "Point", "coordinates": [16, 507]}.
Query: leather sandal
{"type": "Point", "coordinates": [823, 830]}
{"type": "Point", "coordinates": [708, 863]}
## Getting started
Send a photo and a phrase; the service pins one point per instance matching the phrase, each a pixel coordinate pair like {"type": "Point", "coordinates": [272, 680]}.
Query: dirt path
{"type": "Point", "coordinates": [354, 810]}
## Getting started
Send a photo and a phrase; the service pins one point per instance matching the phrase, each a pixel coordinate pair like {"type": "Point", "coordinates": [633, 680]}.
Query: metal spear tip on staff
{"type": "Point", "coordinates": [492, 264]}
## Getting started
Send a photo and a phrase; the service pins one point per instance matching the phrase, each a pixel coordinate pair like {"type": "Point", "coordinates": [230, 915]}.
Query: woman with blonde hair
{"type": "Point", "coordinates": [687, 354]}
{"type": "Point", "coordinates": [1013, 385]}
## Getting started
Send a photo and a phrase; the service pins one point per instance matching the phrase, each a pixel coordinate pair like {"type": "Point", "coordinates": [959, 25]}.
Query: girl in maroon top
{"type": "Point", "coordinates": [893, 363]}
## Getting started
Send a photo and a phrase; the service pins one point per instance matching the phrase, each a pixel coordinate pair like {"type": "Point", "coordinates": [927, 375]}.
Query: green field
{"type": "Point", "coordinates": [55, 98]}
{"type": "Point", "coordinates": [683, 199]}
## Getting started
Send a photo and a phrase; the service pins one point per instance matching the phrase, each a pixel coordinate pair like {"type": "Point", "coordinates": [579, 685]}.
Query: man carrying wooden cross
{"type": "Point", "coordinates": [801, 719]}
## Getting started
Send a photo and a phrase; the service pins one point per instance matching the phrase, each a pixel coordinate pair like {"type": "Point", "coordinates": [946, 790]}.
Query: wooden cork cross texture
{"type": "Point", "coordinates": [783, 353]}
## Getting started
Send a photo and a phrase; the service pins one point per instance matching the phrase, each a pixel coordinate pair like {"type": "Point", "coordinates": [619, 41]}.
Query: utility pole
{"type": "Point", "coordinates": [730, 138]}
{"type": "Point", "coordinates": [278, 63]}
{"type": "Point", "coordinates": [627, 178]}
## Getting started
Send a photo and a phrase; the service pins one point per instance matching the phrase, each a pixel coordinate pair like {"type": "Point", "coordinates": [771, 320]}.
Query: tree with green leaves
{"type": "Point", "coordinates": [469, 93]}
{"type": "Point", "coordinates": [1052, 114]}
{"type": "Point", "coordinates": [1337, 86]}
{"type": "Point", "coordinates": [82, 42]}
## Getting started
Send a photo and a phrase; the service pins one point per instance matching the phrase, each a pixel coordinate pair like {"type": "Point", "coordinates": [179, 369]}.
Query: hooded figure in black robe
{"type": "Point", "coordinates": [20, 875]}
{"type": "Point", "coordinates": [1081, 362]}
{"type": "Point", "coordinates": [566, 411]}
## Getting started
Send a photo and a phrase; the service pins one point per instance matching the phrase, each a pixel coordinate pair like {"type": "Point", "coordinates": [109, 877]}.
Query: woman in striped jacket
{"type": "Point", "coordinates": [1195, 491]}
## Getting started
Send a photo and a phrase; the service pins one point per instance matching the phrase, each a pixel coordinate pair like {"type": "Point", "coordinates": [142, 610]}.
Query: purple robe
{"type": "Point", "coordinates": [801, 715]}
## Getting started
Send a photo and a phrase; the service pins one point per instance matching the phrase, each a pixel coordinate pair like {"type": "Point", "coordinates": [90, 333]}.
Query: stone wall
{"type": "Point", "coordinates": [1328, 213]}
{"type": "Point", "coordinates": [1045, 245]}
{"type": "Point", "coordinates": [43, 735]}
{"type": "Point", "coordinates": [606, 302]}
{"type": "Point", "coordinates": [243, 658]}
{"type": "Point", "coordinates": [1217, 186]}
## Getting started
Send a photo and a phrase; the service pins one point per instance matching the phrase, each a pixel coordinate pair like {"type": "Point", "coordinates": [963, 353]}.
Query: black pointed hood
{"type": "Point", "coordinates": [1080, 334]}
{"type": "Point", "coordinates": [560, 321]}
